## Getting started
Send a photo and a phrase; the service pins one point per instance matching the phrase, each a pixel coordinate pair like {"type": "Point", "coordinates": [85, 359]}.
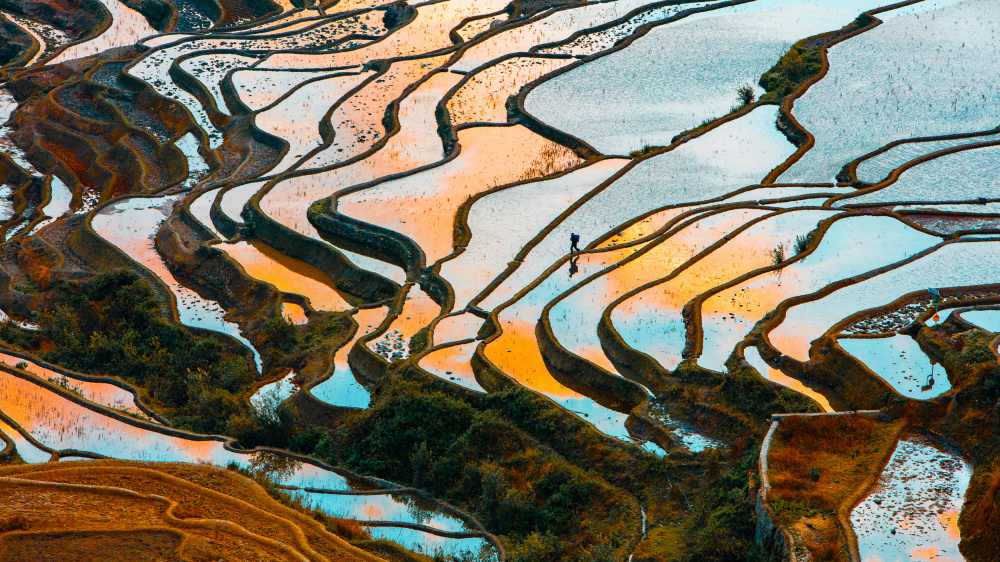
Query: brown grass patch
{"type": "Point", "coordinates": [13, 523]}
{"type": "Point", "coordinates": [978, 521]}
{"type": "Point", "coordinates": [815, 464]}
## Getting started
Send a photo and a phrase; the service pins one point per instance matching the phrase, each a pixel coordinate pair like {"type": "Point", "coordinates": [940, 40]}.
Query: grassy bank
{"type": "Point", "coordinates": [819, 464]}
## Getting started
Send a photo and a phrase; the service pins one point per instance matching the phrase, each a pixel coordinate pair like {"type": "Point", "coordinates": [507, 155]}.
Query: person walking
{"type": "Point", "coordinates": [574, 239]}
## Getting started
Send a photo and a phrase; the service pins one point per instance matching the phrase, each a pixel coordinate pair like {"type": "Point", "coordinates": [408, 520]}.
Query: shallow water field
{"type": "Point", "coordinates": [933, 62]}
{"type": "Point", "coordinates": [433, 544]}
{"type": "Point", "coordinates": [566, 232]}
{"type": "Point", "coordinates": [131, 226]}
{"type": "Point", "coordinates": [960, 176]}
{"type": "Point", "coordinates": [988, 320]}
{"type": "Point", "coordinates": [342, 388]}
{"type": "Point", "coordinates": [502, 223]}
{"type": "Point", "coordinates": [912, 512]}
{"type": "Point", "coordinates": [899, 361]}
{"type": "Point", "coordinates": [851, 246]}
{"type": "Point", "coordinates": [653, 318]}
{"type": "Point", "coordinates": [452, 364]}
{"type": "Point", "coordinates": [27, 450]}
{"type": "Point", "coordinates": [607, 102]}
{"type": "Point", "coordinates": [951, 265]}
{"type": "Point", "coordinates": [286, 274]}
{"type": "Point", "coordinates": [422, 206]}
{"type": "Point", "coordinates": [691, 438]}
{"type": "Point", "coordinates": [697, 171]}
{"type": "Point", "coordinates": [103, 393]}
{"type": "Point", "coordinates": [878, 167]}
{"type": "Point", "coordinates": [127, 27]}
{"type": "Point", "coordinates": [381, 507]}
{"type": "Point", "coordinates": [752, 356]}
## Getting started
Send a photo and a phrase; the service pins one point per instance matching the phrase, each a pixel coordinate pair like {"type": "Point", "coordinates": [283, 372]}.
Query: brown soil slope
{"type": "Point", "coordinates": [118, 510]}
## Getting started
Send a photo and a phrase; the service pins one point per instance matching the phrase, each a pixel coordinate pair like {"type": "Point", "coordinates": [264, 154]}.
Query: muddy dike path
{"type": "Point", "coordinates": [499, 280]}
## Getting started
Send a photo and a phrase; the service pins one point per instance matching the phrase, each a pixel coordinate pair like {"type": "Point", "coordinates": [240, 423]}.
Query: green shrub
{"type": "Point", "coordinates": [111, 325]}
{"type": "Point", "coordinates": [814, 474]}
{"type": "Point", "coordinates": [795, 67]}
{"type": "Point", "coordinates": [281, 333]}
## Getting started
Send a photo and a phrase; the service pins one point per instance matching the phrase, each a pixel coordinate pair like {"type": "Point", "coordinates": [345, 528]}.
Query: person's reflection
{"type": "Point", "coordinates": [572, 265]}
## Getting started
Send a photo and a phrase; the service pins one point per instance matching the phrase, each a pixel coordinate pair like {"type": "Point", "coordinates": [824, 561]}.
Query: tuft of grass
{"type": "Point", "coordinates": [745, 95]}
{"type": "Point", "coordinates": [801, 243]}
{"type": "Point", "coordinates": [644, 150]}
{"type": "Point", "coordinates": [778, 254]}
{"type": "Point", "coordinates": [28, 288]}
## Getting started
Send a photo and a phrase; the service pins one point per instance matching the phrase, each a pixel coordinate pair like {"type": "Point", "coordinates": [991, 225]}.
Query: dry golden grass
{"type": "Point", "coordinates": [210, 514]}
{"type": "Point", "coordinates": [816, 465]}
{"type": "Point", "coordinates": [978, 522]}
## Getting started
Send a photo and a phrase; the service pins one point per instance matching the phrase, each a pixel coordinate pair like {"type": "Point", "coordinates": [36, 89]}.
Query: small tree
{"type": "Point", "coordinates": [745, 95]}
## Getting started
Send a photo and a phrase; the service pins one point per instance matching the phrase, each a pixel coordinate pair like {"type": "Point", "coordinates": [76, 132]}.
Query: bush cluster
{"type": "Point", "coordinates": [473, 456]}
{"type": "Point", "coordinates": [792, 69]}
{"type": "Point", "coordinates": [112, 326]}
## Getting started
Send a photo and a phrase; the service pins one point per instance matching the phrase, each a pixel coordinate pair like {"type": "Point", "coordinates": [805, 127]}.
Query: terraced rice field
{"type": "Point", "coordinates": [393, 188]}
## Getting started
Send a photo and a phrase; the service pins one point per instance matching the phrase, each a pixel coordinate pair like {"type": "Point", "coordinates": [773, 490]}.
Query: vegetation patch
{"type": "Point", "coordinates": [793, 69]}
{"type": "Point", "coordinates": [112, 326]}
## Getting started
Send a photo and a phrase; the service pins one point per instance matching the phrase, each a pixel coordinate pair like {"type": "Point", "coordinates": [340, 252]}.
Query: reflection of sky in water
{"type": "Point", "coordinates": [727, 158]}
{"type": "Point", "coordinates": [877, 168]}
{"type": "Point", "coordinates": [988, 320]}
{"type": "Point", "coordinates": [380, 507]}
{"type": "Point", "coordinates": [416, 144]}
{"type": "Point", "coordinates": [457, 328]}
{"type": "Point", "coordinates": [200, 208]}
{"type": "Point", "coordinates": [287, 274]}
{"type": "Point", "coordinates": [452, 364]}
{"type": "Point", "coordinates": [296, 118]}
{"type": "Point", "coordinates": [503, 222]}
{"type": "Point", "coordinates": [952, 265]}
{"type": "Point", "coordinates": [850, 246]}
{"type": "Point", "coordinates": [901, 363]}
{"type": "Point", "coordinates": [427, 32]}
{"type": "Point", "coordinates": [960, 176]}
{"type": "Point", "coordinates": [422, 206]}
{"type": "Point", "coordinates": [681, 73]}
{"type": "Point", "coordinates": [516, 353]}
{"type": "Point", "coordinates": [555, 27]}
{"type": "Point", "coordinates": [342, 388]}
{"type": "Point", "coordinates": [61, 424]}
{"type": "Point", "coordinates": [747, 251]}
{"type": "Point", "coordinates": [127, 27]}
{"type": "Point", "coordinates": [102, 393]}
{"type": "Point", "coordinates": [272, 394]}
{"type": "Point", "coordinates": [29, 453]}
{"type": "Point", "coordinates": [430, 544]}
{"type": "Point", "coordinates": [920, 495]}
{"type": "Point", "coordinates": [131, 225]}
{"type": "Point", "coordinates": [861, 103]}
{"type": "Point", "coordinates": [575, 318]}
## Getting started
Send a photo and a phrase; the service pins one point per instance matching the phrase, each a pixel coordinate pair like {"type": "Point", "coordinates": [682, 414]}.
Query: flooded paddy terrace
{"type": "Point", "coordinates": [369, 193]}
